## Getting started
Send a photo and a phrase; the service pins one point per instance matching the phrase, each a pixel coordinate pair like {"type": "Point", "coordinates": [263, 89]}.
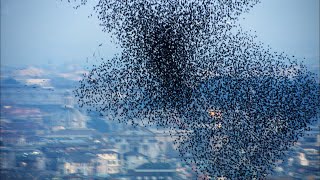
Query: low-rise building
{"type": "Point", "coordinates": [108, 162]}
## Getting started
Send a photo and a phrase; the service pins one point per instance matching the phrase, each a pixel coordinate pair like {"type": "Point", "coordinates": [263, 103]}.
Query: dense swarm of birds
{"type": "Point", "coordinates": [234, 105]}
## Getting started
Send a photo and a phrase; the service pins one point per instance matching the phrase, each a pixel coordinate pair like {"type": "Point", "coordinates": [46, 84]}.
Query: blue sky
{"type": "Point", "coordinates": [35, 32]}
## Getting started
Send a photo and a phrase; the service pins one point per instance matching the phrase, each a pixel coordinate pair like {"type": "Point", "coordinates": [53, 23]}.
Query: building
{"type": "Point", "coordinates": [79, 163]}
{"type": "Point", "coordinates": [68, 116]}
{"type": "Point", "coordinates": [134, 159]}
{"type": "Point", "coordinates": [108, 162]}
{"type": "Point", "coordinates": [138, 139]}
{"type": "Point", "coordinates": [154, 171]}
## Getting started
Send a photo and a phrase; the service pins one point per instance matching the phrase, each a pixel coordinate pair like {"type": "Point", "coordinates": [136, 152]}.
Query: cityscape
{"type": "Point", "coordinates": [159, 90]}
{"type": "Point", "coordinates": [45, 135]}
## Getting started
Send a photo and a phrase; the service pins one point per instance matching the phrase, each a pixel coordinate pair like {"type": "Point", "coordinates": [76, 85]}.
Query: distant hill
{"type": "Point", "coordinates": [10, 81]}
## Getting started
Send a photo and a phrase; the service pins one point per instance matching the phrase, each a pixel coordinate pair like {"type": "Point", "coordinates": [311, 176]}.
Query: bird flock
{"type": "Point", "coordinates": [233, 105]}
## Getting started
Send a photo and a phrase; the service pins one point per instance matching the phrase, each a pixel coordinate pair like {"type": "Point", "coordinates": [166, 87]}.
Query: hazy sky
{"type": "Point", "coordinates": [35, 32]}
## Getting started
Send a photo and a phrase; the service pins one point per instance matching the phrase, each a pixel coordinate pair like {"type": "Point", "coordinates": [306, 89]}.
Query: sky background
{"type": "Point", "coordinates": [38, 32]}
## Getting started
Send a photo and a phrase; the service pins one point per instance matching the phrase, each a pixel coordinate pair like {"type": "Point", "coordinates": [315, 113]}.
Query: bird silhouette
{"type": "Point", "coordinates": [232, 104]}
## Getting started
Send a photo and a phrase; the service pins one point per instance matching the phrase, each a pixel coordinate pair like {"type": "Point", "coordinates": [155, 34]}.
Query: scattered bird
{"type": "Point", "coordinates": [180, 60]}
